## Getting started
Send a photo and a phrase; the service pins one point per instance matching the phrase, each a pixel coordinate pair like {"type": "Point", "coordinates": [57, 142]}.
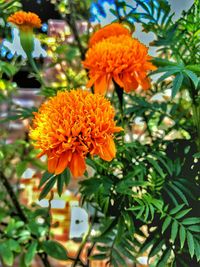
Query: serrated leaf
{"type": "Point", "coordinates": [174, 230]}
{"type": "Point", "coordinates": [190, 242]}
{"type": "Point", "coordinates": [29, 256]}
{"type": "Point", "coordinates": [55, 250]}
{"type": "Point", "coordinates": [177, 84]}
{"type": "Point", "coordinates": [49, 185]}
{"type": "Point", "coordinates": [166, 224]}
{"type": "Point", "coordinates": [182, 236]}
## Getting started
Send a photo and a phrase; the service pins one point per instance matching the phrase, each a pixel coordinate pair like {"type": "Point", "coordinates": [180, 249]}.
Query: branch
{"type": "Point", "coordinates": [117, 10]}
{"type": "Point", "coordinates": [72, 24]}
{"type": "Point", "coordinates": [43, 256]}
{"type": "Point", "coordinates": [13, 197]}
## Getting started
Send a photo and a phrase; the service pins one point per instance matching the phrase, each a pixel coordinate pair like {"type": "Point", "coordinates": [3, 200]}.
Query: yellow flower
{"type": "Point", "coordinates": [72, 125]}
{"type": "Point", "coordinates": [120, 58]}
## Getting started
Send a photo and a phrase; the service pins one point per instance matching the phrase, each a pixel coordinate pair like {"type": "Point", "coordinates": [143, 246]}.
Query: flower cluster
{"type": "Point", "coordinates": [72, 125]}
{"type": "Point", "coordinates": [115, 55]}
{"type": "Point", "coordinates": [25, 20]}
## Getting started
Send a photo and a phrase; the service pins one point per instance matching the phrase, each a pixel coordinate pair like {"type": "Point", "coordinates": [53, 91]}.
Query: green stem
{"type": "Point", "coordinates": [35, 69]}
{"type": "Point", "coordinates": [84, 241]}
{"type": "Point", "coordinates": [120, 94]}
{"type": "Point", "coordinates": [196, 119]}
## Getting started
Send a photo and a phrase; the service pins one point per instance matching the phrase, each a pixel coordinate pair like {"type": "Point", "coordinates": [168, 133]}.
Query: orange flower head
{"type": "Point", "coordinates": [25, 20]}
{"type": "Point", "coordinates": [114, 29]}
{"type": "Point", "coordinates": [72, 125]}
{"type": "Point", "coordinates": [120, 58]}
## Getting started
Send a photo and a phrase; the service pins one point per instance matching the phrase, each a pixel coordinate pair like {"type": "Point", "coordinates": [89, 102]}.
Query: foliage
{"type": "Point", "coordinates": [146, 199]}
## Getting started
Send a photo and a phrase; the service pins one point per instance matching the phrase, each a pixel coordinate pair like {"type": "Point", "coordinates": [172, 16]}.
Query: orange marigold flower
{"type": "Point", "coordinates": [114, 29]}
{"type": "Point", "coordinates": [25, 20]}
{"type": "Point", "coordinates": [72, 125]}
{"type": "Point", "coordinates": [121, 58]}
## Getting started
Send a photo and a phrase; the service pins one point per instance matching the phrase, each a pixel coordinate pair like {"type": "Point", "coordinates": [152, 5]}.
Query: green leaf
{"type": "Point", "coordinates": [197, 249]}
{"type": "Point", "coordinates": [45, 177]}
{"type": "Point", "coordinates": [55, 250]}
{"type": "Point", "coordinates": [182, 236]}
{"type": "Point", "coordinates": [179, 192]}
{"type": "Point", "coordinates": [182, 213]}
{"type": "Point", "coordinates": [6, 254]}
{"type": "Point", "coordinates": [190, 242]}
{"type": "Point", "coordinates": [156, 166]}
{"type": "Point", "coordinates": [60, 184]}
{"type": "Point", "coordinates": [100, 256]}
{"type": "Point", "coordinates": [125, 251]}
{"type": "Point", "coordinates": [117, 256]}
{"type": "Point", "coordinates": [166, 75]}
{"type": "Point", "coordinates": [196, 155]}
{"type": "Point", "coordinates": [174, 230]}
{"type": "Point", "coordinates": [21, 167]}
{"type": "Point", "coordinates": [193, 77]}
{"type": "Point", "coordinates": [163, 261]}
{"type": "Point", "coordinates": [193, 68]}
{"type": "Point", "coordinates": [157, 247]}
{"type": "Point", "coordinates": [177, 84]}
{"type": "Point", "coordinates": [176, 209]}
{"type": "Point", "coordinates": [14, 245]}
{"type": "Point", "coordinates": [29, 256]}
{"type": "Point", "coordinates": [194, 228]}
{"type": "Point", "coordinates": [49, 185]}
{"type": "Point", "coordinates": [190, 221]}
{"type": "Point", "coordinates": [66, 176]}
{"type": "Point", "coordinates": [166, 224]}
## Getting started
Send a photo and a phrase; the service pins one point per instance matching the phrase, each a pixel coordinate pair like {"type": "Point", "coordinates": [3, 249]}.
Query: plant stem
{"type": "Point", "coordinates": [72, 24]}
{"type": "Point", "coordinates": [43, 256]}
{"type": "Point", "coordinates": [196, 119]}
{"type": "Point", "coordinates": [120, 94]}
{"type": "Point", "coordinates": [84, 241]}
{"type": "Point", "coordinates": [117, 10]}
{"type": "Point", "coordinates": [13, 197]}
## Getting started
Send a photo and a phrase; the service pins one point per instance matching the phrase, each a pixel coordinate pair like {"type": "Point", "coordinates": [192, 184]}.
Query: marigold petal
{"type": "Point", "coordinates": [108, 151]}
{"type": "Point", "coordinates": [52, 164]}
{"type": "Point", "coordinates": [77, 165]}
{"type": "Point", "coordinates": [113, 29]}
{"type": "Point", "coordinates": [101, 85]}
{"type": "Point", "coordinates": [72, 125]}
{"type": "Point", "coordinates": [62, 163]}
{"type": "Point", "coordinates": [25, 20]}
{"type": "Point", "coordinates": [121, 58]}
